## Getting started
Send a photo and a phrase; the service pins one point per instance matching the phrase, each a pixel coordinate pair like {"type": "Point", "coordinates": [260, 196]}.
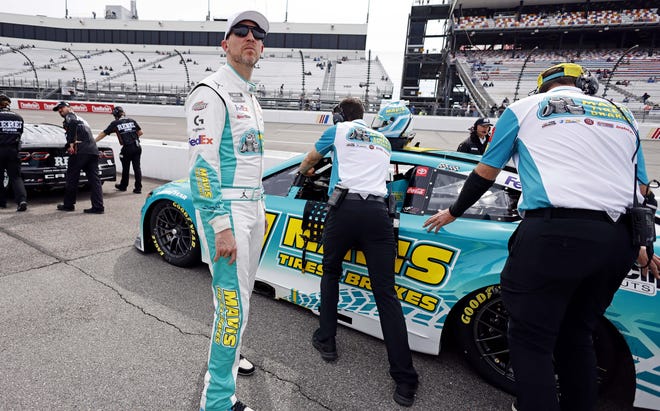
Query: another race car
{"type": "Point", "coordinates": [44, 159]}
{"type": "Point", "coordinates": [448, 282]}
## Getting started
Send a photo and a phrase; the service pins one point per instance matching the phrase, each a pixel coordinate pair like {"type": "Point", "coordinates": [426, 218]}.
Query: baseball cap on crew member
{"type": "Point", "coordinates": [252, 15]}
{"type": "Point", "coordinates": [484, 121]}
{"type": "Point", "coordinates": [4, 97]}
{"type": "Point", "coordinates": [60, 105]}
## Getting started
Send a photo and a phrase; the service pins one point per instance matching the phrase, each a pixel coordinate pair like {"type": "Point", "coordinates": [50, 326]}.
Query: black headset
{"type": "Point", "coordinates": [117, 112]}
{"type": "Point", "coordinates": [588, 83]}
{"type": "Point", "coordinates": [337, 114]}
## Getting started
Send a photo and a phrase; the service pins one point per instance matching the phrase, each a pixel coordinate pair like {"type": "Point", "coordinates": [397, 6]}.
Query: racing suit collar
{"type": "Point", "coordinates": [250, 87]}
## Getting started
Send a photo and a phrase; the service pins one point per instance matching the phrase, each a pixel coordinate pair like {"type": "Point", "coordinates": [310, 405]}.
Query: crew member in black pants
{"type": "Point", "coordinates": [11, 130]}
{"type": "Point", "coordinates": [83, 155]}
{"type": "Point", "coordinates": [361, 221]}
{"type": "Point", "coordinates": [128, 132]}
{"type": "Point", "coordinates": [582, 172]}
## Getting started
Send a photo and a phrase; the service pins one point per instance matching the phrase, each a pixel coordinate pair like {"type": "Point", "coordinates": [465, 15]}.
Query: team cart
{"type": "Point", "coordinates": [448, 282]}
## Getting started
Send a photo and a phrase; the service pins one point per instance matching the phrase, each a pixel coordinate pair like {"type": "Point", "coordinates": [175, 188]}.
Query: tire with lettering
{"type": "Point", "coordinates": [174, 234]}
{"type": "Point", "coordinates": [481, 324]}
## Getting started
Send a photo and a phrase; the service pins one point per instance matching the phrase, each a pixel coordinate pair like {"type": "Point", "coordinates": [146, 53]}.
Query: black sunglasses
{"type": "Point", "coordinates": [241, 30]}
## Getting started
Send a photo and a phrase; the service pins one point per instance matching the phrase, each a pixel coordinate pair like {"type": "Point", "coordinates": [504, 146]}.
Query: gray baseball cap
{"type": "Point", "coordinates": [252, 15]}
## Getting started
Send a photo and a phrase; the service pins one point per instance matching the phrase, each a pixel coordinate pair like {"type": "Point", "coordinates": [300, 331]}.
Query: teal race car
{"type": "Point", "coordinates": [448, 282]}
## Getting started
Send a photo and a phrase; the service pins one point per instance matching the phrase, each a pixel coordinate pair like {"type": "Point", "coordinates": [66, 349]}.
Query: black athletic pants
{"type": "Point", "coordinates": [9, 161]}
{"type": "Point", "coordinates": [561, 275]}
{"type": "Point", "coordinates": [130, 154]}
{"type": "Point", "coordinates": [365, 225]}
{"type": "Point", "coordinates": [89, 163]}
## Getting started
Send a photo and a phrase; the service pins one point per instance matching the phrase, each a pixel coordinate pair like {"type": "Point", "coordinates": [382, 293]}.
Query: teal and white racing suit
{"type": "Point", "coordinates": [225, 136]}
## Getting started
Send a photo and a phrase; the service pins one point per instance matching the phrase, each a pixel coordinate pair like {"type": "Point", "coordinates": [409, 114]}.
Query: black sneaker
{"type": "Point", "coordinates": [62, 207]}
{"type": "Point", "coordinates": [137, 191]}
{"type": "Point", "coordinates": [22, 206]}
{"type": "Point", "coordinates": [328, 348]}
{"type": "Point", "coordinates": [239, 406]}
{"type": "Point", "coordinates": [120, 188]}
{"type": "Point", "coordinates": [404, 394]}
{"type": "Point", "coordinates": [94, 210]}
{"type": "Point", "coordinates": [245, 367]}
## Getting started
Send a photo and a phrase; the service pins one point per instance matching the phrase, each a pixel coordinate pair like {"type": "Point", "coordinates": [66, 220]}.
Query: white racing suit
{"type": "Point", "coordinates": [225, 136]}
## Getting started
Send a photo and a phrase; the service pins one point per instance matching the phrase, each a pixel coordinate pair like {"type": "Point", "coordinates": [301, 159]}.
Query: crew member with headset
{"type": "Point", "coordinates": [358, 218]}
{"type": "Point", "coordinates": [478, 140]}
{"type": "Point", "coordinates": [11, 130]}
{"type": "Point", "coordinates": [83, 155]}
{"type": "Point", "coordinates": [128, 132]}
{"type": "Point", "coordinates": [336, 115]}
{"type": "Point", "coordinates": [580, 166]}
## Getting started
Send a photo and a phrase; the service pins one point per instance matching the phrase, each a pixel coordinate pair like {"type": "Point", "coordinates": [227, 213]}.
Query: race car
{"type": "Point", "coordinates": [44, 159]}
{"type": "Point", "coordinates": [448, 282]}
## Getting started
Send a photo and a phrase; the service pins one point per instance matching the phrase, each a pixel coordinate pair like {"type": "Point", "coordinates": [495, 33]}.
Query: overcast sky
{"type": "Point", "coordinates": [388, 19]}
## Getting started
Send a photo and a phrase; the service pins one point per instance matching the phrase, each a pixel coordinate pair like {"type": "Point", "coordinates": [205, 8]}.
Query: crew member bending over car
{"type": "Point", "coordinates": [574, 245]}
{"type": "Point", "coordinates": [128, 132]}
{"type": "Point", "coordinates": [224, 119]}
{"type": "Point", "coordinates": [358, 218]}
{"type": "Point", "coordinates": [83, 155]}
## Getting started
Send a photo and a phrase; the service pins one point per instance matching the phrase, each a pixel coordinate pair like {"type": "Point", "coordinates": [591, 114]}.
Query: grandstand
{"type": "Point", "coordinates": [494, 50]}
{"type": "Point", "coordinates": [308, 66]}
{"type": "Point", "coordinates": [491, 52]}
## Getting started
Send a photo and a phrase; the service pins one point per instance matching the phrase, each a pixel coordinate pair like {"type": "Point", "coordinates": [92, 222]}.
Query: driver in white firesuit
{"type": "Point", "coordinates": [225, 135]}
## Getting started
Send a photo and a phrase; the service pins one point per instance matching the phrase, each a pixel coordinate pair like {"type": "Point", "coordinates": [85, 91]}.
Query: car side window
{"type": "Point", "coordinates": [431, 190]}
{"type": "Point", "coordinates": [278, 184]}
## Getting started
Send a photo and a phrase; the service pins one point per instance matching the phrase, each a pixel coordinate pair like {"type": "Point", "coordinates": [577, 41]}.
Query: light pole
{"type": "Point", "coordinates": [515, 96]}
{"type": "Point", "coordinates": [135, 84]}
{"type": "Point", "coordinates": [186, 67]}
{"type": "Point", "coordinates": [625, 53]}
{"type": "Point", "coordinates": [302, 61]}
{"type": "Point", "coordinates": [81, 69]}
{"type": "Point", "coordinates": [36, 78]}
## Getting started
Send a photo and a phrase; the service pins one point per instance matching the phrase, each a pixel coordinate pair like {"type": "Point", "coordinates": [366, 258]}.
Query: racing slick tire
{"type": "Point", "coordinates": [174, 235]}
{"type": "Point", "coordinates": [481, 324]}
{"type": "Point", "coordinates": [482, 321]}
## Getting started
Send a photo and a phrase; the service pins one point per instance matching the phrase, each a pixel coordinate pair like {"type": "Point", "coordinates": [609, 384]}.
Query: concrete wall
{"type": "Point", "coordinates": [168, 160]}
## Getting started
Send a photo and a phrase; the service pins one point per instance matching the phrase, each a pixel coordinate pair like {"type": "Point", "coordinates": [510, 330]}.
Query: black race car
{"type": "Point", "coordinates": [44, 159]}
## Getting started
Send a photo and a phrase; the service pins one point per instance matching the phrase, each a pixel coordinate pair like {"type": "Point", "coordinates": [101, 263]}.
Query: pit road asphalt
{"type": "Point", "coordinates": [89, 322]}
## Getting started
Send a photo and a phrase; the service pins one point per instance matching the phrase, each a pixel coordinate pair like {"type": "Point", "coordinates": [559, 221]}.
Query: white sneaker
{"type": "Point", "coordinates": [245, 367]}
